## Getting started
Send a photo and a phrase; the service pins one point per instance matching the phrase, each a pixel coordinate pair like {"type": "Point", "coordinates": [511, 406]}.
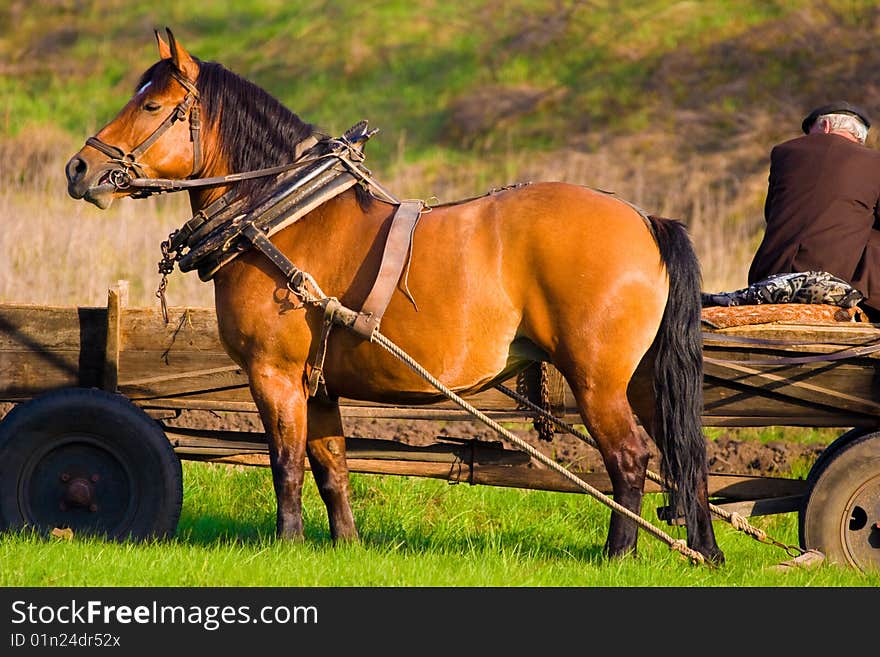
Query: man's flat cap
{"type": "Point", "coordinates": [839, 107]}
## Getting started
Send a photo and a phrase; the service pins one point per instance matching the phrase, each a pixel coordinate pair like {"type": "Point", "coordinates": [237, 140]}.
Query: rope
{"type": "Point", "coordinates": [678, 545]}
{"type": "Point", "coordinates": [736, 520]}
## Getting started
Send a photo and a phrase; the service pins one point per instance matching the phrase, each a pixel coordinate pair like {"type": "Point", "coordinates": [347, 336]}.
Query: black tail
{"type": "Point", "coordinates": [678, 372]}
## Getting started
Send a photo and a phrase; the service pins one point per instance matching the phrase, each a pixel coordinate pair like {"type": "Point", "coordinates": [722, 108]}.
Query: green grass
{"type": "Point", "coordinates": [403, 64]}
{"type": "Point", "coordinates": [415, 533]}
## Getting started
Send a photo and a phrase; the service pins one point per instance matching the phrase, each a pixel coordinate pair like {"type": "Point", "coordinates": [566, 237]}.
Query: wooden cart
{"type": "Point", "coordinates": [90, 442]}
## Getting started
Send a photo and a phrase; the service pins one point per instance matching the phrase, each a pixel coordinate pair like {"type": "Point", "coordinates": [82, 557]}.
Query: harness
{"type": "Point", "coordinates": [121, 178]}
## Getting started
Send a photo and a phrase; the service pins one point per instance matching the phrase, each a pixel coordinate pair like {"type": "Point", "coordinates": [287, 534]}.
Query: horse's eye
{"type": "Point", "coordinates": [152, 106]}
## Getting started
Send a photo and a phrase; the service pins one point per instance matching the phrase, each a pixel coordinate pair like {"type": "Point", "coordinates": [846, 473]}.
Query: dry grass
{"type": "Point", "coordinates": [59, 251]}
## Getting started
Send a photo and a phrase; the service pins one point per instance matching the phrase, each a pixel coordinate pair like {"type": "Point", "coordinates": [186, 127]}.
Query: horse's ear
{"type": "Point", "coordinates": [164, 48]}
{"type": "Point", "coordinates": [181, 59]}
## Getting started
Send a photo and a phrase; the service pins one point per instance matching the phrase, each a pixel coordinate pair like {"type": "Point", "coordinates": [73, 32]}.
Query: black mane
{"type": "Point", "coordinates": [256, 129]}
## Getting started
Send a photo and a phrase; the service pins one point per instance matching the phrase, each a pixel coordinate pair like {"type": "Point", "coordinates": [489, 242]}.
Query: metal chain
{"type": "Point", "coordinates": [525, 383]}
{"type": "Point", "coordinates": [543, 426]}
{"type": "Point", "coordinates": [166, 267]}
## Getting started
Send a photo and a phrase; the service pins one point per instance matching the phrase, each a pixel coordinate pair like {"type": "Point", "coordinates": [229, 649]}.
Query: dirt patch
{"type": "Point", "coordinates": [728, 453]}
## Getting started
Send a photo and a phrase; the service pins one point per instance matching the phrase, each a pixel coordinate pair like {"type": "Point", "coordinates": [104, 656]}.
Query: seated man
{"type": "Point", "coordinates": [823, 204]}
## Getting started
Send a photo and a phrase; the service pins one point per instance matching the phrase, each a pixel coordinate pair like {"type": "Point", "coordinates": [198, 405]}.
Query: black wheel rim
{"type": "Point", "coordinates": [81, 482]}
{"type": "Point", "coordinates": [860, 526]}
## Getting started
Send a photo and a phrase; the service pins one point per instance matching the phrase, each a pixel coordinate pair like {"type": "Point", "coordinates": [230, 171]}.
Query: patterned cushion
{"type": "Point", "coordinates": [810, 287]}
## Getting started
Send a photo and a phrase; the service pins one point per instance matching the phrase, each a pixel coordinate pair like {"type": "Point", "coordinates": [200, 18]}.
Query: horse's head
{"type": "Point", "coordinates": [156, 134]}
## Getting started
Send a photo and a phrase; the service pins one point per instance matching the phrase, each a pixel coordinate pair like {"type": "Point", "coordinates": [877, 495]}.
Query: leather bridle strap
{"type": "Point", "coordinates": [149, 185]}
{"type": "Point", "coordinates": [187, 108]}
{"type": "Point", "coordinates": [173, 184]}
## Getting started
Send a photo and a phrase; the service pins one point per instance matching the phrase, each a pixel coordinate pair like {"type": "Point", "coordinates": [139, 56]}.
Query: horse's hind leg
{"type": "Point", "coordinates": [326, 452]}
{"type": "Point", "coordinates": [610, 421]}
{"type": "Point", "coordinates": [282, 406]}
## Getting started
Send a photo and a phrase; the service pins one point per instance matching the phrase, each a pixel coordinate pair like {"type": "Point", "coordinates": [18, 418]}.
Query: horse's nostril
{"type": "Point", "coordinates": [76, 169]}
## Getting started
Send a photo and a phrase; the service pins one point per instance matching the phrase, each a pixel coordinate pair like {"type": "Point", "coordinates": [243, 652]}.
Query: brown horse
{"type": "Point", "coordinates": [548, 271]}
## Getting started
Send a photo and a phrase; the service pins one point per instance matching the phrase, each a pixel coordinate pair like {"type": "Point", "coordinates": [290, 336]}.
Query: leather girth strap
{"type": "Point", "coordinates": [398, 248]}
{"type": "Point", "coordinates": [398, 245]}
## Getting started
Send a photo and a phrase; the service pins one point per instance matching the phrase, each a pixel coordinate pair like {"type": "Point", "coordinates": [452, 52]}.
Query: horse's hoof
{"type": "Point", "coordinates": [714, 558]}
{"type": "Point", "coordinates": [620, 553]}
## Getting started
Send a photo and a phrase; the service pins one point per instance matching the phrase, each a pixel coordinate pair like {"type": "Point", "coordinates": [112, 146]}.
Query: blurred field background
{"type": "Point", "coordinates": [672, 105]}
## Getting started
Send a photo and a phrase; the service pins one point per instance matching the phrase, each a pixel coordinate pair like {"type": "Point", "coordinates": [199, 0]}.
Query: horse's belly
{"type": "Point", "coordinates": [368, 372]}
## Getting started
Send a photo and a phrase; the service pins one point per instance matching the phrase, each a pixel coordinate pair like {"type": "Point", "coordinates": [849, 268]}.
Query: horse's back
{"type": "Point", "coordinates": [565, 217]}
{"type": "Point", "coordinates": [552, 234]}
{"type": "Point", "coordinates": [549, 263]}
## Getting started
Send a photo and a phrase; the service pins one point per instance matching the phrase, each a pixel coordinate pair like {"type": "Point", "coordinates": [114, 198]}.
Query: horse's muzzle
{"type": "Point", "coordinates": [77, 179]}
{"type": "Point", "coordinates": [80, 183]}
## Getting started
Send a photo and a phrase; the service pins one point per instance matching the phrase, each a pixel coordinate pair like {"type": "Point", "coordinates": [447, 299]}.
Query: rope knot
{"type": "Point", "coordinates": [680, 545]}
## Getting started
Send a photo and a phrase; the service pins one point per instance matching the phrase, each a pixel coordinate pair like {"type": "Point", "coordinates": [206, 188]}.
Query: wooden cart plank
{"type": "Point", "coordinates": [534, 478]}
{"type": "Point", "coordinates": [148, 377]}
{"type": "Point", "coordinates": [49, 329]}
{"type": "Point", "coordinates": [814, 336]}
{"type": "Point", "coordinates": [117, 299]}
{"type": "Point", "coordinates": [187, 330]}
{"type": "Point", "coordinates": [23, 375]}
{"type": "Point", "coordinates": [815, 385]}
{"type": "Point", "coordinates": [182, 365]}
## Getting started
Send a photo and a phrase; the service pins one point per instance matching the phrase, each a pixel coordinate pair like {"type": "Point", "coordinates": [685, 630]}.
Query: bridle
{"type": "Point", "coordinates": [122, 178]}
{"type": "Point", "coordinates": [130, 172]}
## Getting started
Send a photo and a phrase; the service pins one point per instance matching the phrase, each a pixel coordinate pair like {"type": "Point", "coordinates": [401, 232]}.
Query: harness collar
{"type": "Point", "coordinates": [215, 234]}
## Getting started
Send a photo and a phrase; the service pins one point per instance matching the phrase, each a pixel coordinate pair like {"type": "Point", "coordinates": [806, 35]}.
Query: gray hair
{"type": "Point", "coordinates": [847, 122]}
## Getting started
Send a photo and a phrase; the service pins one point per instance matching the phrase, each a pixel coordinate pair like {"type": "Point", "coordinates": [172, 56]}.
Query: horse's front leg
{"type": "Point", "coordinates": [281, 401]}
{"type": "Point", "coordinates": [326, 452]}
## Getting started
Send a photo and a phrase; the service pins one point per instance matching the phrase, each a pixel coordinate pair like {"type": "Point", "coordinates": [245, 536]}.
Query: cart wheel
{"type": "Point", "coordinates": [91, 461]}
{"type": "Point", "coordinates": [841, 516]}
{"type": "Point", "coordinates": [842, 440]}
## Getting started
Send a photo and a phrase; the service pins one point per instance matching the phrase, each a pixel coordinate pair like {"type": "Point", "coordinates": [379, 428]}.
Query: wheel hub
{"type": "Point", "coordinates": [79, 492]}
{"type": "Point", "coordinates": [80, 483]}
{"type": "Point", "coordinates": [861, 531]}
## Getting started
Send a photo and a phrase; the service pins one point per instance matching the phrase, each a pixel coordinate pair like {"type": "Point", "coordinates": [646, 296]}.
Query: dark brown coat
{"type": "Point", "coordinates": [823, 212]}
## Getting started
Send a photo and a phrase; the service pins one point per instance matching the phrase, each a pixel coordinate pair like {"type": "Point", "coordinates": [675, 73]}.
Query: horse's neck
{"type": "Point", "coordinates": [215, 165]}
{"type": "Point", "coordinates": [199, 199]}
